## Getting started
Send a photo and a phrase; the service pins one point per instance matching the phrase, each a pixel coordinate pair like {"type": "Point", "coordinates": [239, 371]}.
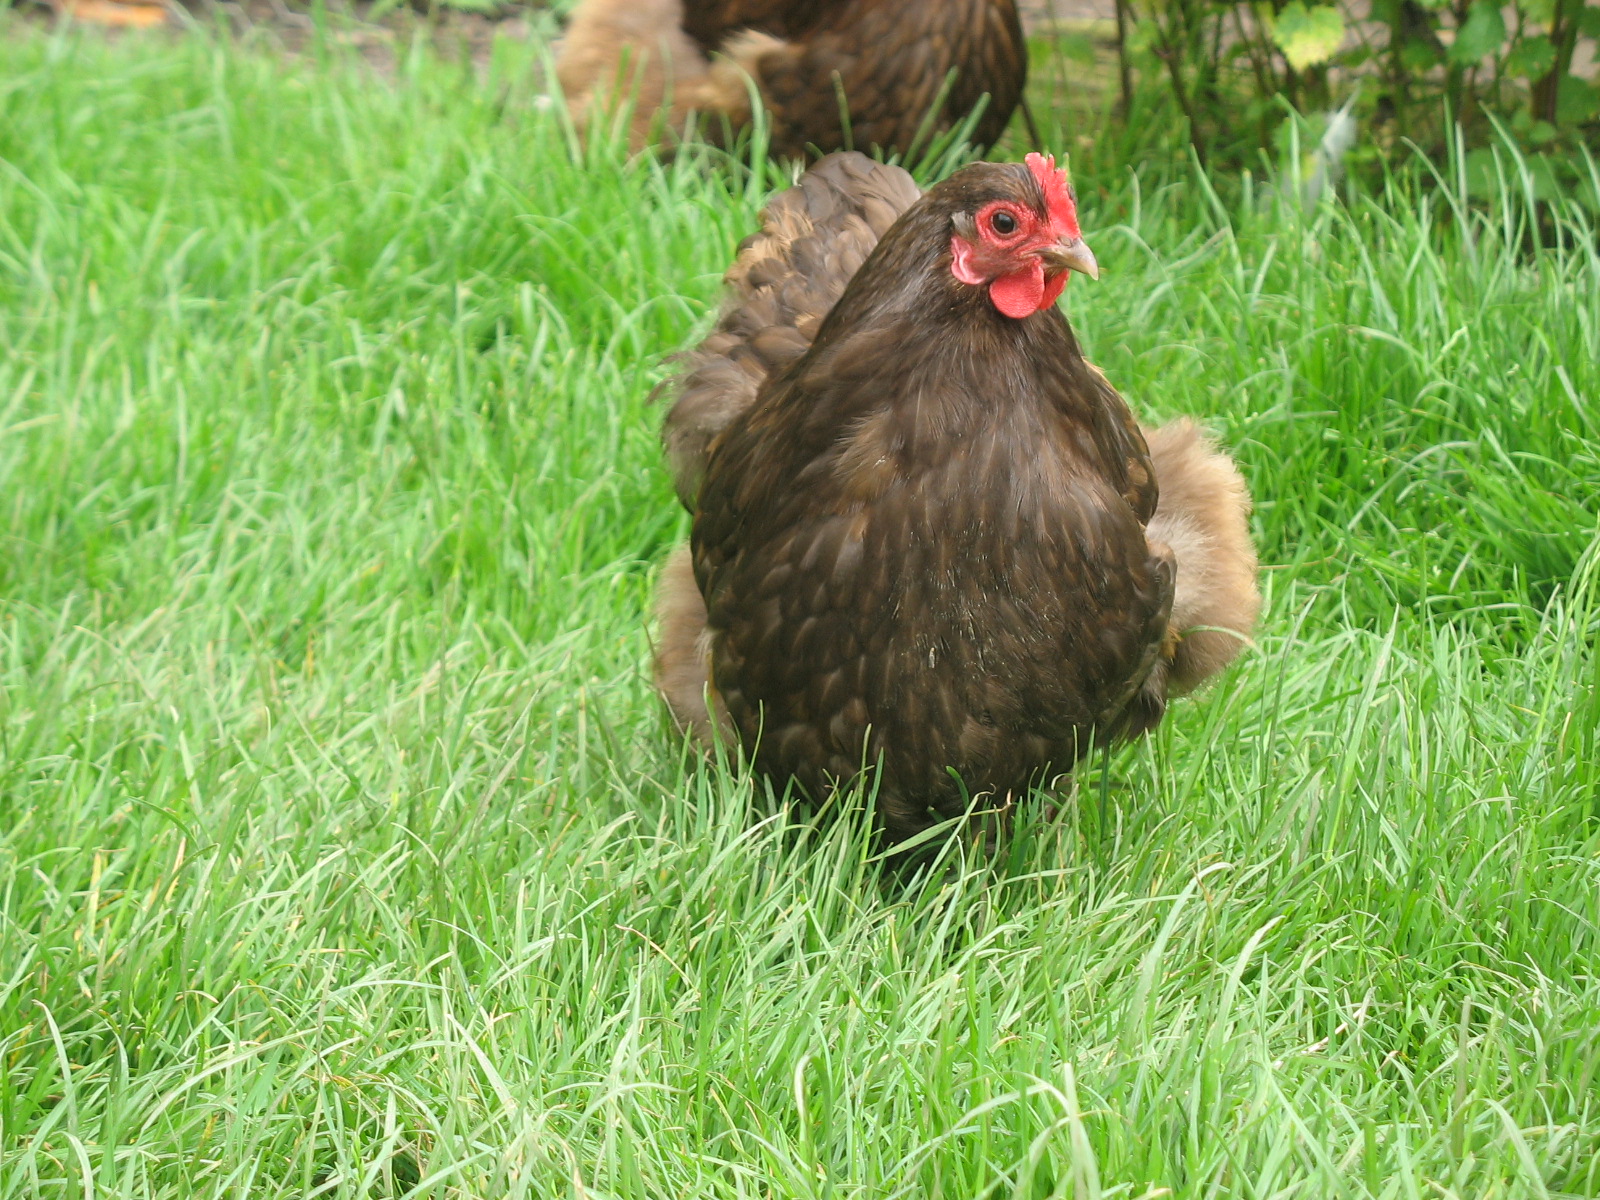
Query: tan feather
{"type": "Point", "coordinates": [1203, 517]}
{"type": "Point", "coordinates": [635, 53]}
{"type": "Point", "coordinates": [683, 653]}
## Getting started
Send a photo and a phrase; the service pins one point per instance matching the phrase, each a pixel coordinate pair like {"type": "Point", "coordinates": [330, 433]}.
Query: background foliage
{"type": "Point", "coordinates": [1406, 70]}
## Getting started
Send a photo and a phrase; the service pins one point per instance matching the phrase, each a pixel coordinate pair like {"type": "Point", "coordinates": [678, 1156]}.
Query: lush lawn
{"type": "Point", "coordinates": [343, 850]}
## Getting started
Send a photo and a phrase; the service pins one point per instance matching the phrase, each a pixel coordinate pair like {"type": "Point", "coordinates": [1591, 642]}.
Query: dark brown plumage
{"type": "Point", "coordinates": [891, 59]}
{"type": "Point", "coordinates": [711, 22]}
{"type": "Point", "coordinates": [927, 533]}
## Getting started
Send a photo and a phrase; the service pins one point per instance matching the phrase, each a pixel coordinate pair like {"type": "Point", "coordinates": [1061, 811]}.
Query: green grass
{"type": "Point", "coordinates": [343, 850]}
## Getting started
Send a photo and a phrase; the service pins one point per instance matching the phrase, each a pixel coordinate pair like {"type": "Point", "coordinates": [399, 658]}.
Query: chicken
{"type": "Point", "coordinates": [888, 61]}
{"type": "Point", "coordinates": [929, 538]}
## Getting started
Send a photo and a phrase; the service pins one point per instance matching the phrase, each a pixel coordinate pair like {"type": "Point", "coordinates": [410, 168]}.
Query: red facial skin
{"type": "Point", "coordinates": [1009, 262]}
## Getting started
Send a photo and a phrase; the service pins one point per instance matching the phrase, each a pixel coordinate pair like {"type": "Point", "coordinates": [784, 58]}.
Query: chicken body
{"type": "Point", "coordinates": [922, 538]}
{"type": "Point", "coordinates": [890, 61]}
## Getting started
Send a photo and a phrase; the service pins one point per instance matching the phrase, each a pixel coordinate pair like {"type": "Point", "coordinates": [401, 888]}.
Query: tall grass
{"type": "Point", "coordinates": [343, 851]}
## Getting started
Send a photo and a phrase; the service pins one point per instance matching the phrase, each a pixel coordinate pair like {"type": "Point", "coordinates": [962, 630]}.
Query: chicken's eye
{"type": "Point", "coordinates": [1003, 223]}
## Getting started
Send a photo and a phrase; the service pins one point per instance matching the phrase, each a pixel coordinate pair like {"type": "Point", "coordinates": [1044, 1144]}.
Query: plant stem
{"type": "Point", "coordinates": [1124, 68]}
{"type": "Point", "coordinates": [1168, 53]}
{"type": "Point", "coordinates": [1547, 92]}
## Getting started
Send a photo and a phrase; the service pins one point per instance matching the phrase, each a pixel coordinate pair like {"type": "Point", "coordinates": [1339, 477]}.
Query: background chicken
{"type": "Point", "coordinates": [891, 60]}
{"type": "Point", "coordinates": [927, 533]}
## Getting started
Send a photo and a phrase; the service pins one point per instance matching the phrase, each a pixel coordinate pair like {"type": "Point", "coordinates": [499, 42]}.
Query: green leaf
{"type": "Point", "coordinates": [1143, 36]}
{"type": "Point", "coordinates": [1545, 179]}
{"type": "Point", "coordinates": [1531, 58]}
{"type": "Point", "coordinates": [1585, 194]}
{"type": "Point", "coordinates": [1480, 35]}
{"type": "Point", "coordinates": [1483, 181]}
{"type": "Point", "coordinates": [1308, 36]}
{"type": "Point", "coordinates": [1589, 21]}
{"type": "Point", "coordinates": [1577, 100]}
{"type": "Point", "coordinates": [1541, 133]}
{"type": "Point", "coordinates": [1079, 48]}
{"type": "Point", "coordinates": [1418, 56]}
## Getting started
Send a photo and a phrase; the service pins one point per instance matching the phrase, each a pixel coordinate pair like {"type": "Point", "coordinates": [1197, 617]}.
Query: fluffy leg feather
{"type": "Point", "coordinates": [1203, 517]}
{"type": "Point", "coordinates": [683, 655]}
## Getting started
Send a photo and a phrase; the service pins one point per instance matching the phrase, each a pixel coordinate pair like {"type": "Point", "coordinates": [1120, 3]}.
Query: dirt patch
{"type": "Point", "coordinates": [377, 33]}
{"type": "Point", "coordinates": [1042, 14]}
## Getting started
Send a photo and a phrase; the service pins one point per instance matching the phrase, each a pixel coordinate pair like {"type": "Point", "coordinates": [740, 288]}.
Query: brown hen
{"type": "Point", "coordinates": [929, 538]}
{"type": "Point", "coordinates": [888, 61]}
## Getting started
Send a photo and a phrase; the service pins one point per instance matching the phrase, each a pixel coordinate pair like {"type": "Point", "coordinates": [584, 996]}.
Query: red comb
{"type": "Point", "coordinates": [1057, 195]}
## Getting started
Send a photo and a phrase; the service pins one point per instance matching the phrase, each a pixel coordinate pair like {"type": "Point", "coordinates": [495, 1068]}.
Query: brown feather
{"type": "Point", "coordinates": [711, 22]}
{"type": "Point", "coordinates": [813, 239]}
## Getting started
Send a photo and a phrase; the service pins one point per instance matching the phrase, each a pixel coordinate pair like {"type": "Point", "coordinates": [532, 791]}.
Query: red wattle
{"type": "Point", "coordinates": [1054, 287]}
{"type": "Point", "coordinates": [1021, 293]}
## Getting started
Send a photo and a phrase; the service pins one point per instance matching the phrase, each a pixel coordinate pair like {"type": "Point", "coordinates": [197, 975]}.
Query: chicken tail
{"type": "Point", "coordinates": [813, 238]}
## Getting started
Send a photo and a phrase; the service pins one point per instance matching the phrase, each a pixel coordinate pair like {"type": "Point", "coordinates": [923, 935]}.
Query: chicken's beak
{"type": "Point", "coordinates": [1071, 254]}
